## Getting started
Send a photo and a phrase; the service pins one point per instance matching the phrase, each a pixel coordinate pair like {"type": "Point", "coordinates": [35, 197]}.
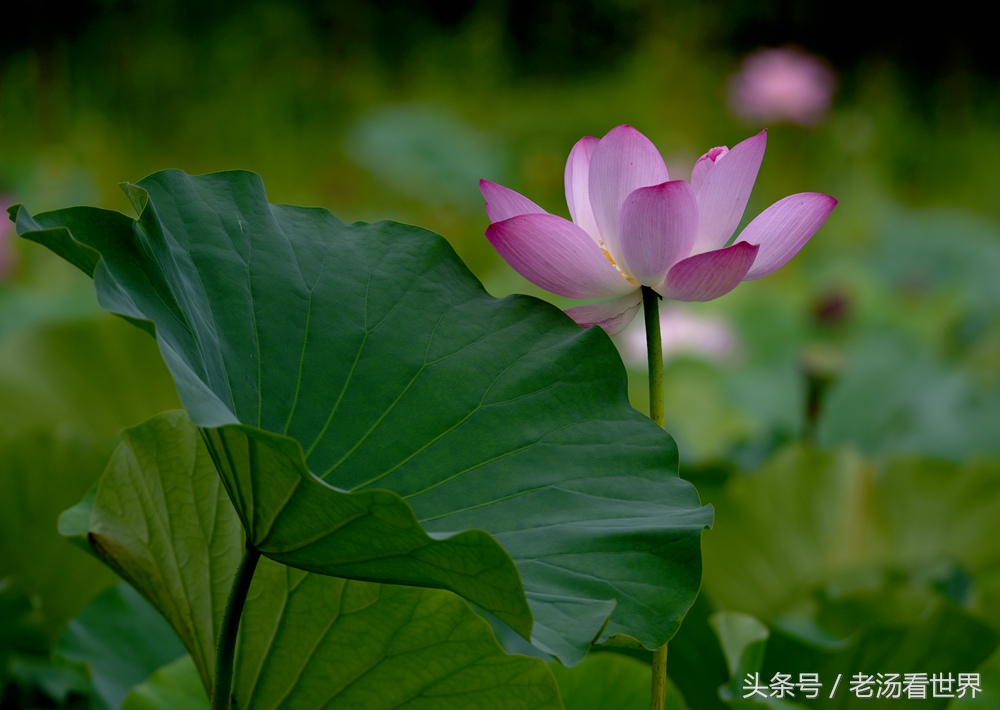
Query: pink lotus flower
{"type": "Point", "coordinates": [633, 226]}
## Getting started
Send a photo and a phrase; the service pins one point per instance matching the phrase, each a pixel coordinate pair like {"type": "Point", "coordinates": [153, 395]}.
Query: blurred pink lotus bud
{"type": "Point", "coordinates": [784, 84]}
{"type": "Point", "coordinates": [8, 254]}
{"type": "Point", "coordinates": [684, 333]}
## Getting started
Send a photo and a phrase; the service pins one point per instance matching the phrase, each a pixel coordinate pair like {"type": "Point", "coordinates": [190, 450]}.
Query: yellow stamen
{"type": "Point", "coordinates": [610, 258]}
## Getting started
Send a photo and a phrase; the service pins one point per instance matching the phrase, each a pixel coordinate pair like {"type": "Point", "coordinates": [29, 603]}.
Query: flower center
{"type": "Point", "coordinates": [600, 243]}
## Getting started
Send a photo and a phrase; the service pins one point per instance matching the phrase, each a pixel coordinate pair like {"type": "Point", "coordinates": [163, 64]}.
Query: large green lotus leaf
{"type": "Point", "coordinates": [121, 639]}
{"type": "Point", "coordinates": [369, 356]}
{"type": "Point", "coordinates": [314, 641]}
{"type": "Point", "coordinates": [162, 519]}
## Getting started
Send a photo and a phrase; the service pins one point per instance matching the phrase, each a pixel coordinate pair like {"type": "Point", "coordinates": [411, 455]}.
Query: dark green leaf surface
{"type": "Point", "coordinates": [306, 640]}
{"type": "Point", "coordinates": [369, 356]}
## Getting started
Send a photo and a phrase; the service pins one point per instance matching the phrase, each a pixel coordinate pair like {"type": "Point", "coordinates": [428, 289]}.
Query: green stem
{"type": "Point", "coordinates": [658, 691]}
{"type": "Point", "coordinates": [225, 651]}
{"type": "Point", "coordinates": [654, 352]}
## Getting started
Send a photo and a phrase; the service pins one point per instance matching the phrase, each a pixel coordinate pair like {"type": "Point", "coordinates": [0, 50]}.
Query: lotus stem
{"type": "Point", "coordinates": [658, 689]}
{"type": "Point", "coordinates": [654, 353]}
{"type": "Point", "coordinates": [225, 652]}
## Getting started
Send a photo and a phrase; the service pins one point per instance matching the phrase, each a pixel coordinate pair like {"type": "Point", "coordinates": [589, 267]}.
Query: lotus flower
{"type": "Point", "coordinates": [633, 226]}
{"type": "Point", "coordinates": [783, 84]}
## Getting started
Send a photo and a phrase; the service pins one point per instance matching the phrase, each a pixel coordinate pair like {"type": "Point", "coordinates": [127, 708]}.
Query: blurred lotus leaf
{"type": "Point", "coordinates": [121, 640]}
{"type": "Point", "coordinates": [610, 680]}
{"type": "Point", "coordinates": [425, 152]}
{"type": "Point", "coordinates": [989, 675]}
{"type": "Point", "coordinates": [858, 566]}
{"type": "Point", "coordinates": [66, 389]}
{"type": "Point", "coordinates": [176, 685]}
{"type": "Point", "coordinates": [895, 398]}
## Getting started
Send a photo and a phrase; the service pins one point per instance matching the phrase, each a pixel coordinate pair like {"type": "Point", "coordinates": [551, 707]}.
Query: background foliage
{"type": "Point", "coordinates": [846, 436]}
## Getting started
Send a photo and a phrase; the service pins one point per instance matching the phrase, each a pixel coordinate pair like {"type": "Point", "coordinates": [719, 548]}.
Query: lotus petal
{"type": "Point", "coordinates": [724, 193]}
{"type": "Point", "coordinates": [623, 161]}
{"type": "Point", "coordinates": [658, 227]}
{"type": "Point", "coordinates": [706, 276]}
{"type": "Point", "coordinates": [784, 228]}
{"type": "Point", "coordinates": [556, 255]}
{"type": "Point", "coordinates": [611, 315]}
{"type": "Point", "coordinates": [704, 165]}
{"type": "Point", "coordinates": [577, 179]}
{"type": "Point", "coordinates": [503, 203]}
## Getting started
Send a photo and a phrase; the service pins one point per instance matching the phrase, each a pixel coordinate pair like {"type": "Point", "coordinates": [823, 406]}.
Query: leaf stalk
{"type": "Point", "coordinates": [225, 651]}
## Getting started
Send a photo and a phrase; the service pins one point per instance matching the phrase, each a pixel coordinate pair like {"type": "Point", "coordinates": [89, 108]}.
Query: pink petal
{"type": "Point", "coordinates": [708, 275]}
{"type": "Point", "coordinates": [623, 161]}
{"type": "Point", "coordinates": [503, 203]}
{"type": "Point", "coordinates": [724, 193]}
{"type": "Point", "coordinates": [612, 315]}
{"type": "Point", "coordinates": [577, 179]}
{"type": "Point", "coordinates": [658, 227]}
{"type": "Point", "coordinates": [555, 254]}
{"type": "Point", "coordinates": [784, 228]}
{"type": "Point", "coordinates": [704, 165]}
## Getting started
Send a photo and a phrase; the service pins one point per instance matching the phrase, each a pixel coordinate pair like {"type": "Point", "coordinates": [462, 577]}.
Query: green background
{"type": "Point", "coordinates": [847, 439]}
